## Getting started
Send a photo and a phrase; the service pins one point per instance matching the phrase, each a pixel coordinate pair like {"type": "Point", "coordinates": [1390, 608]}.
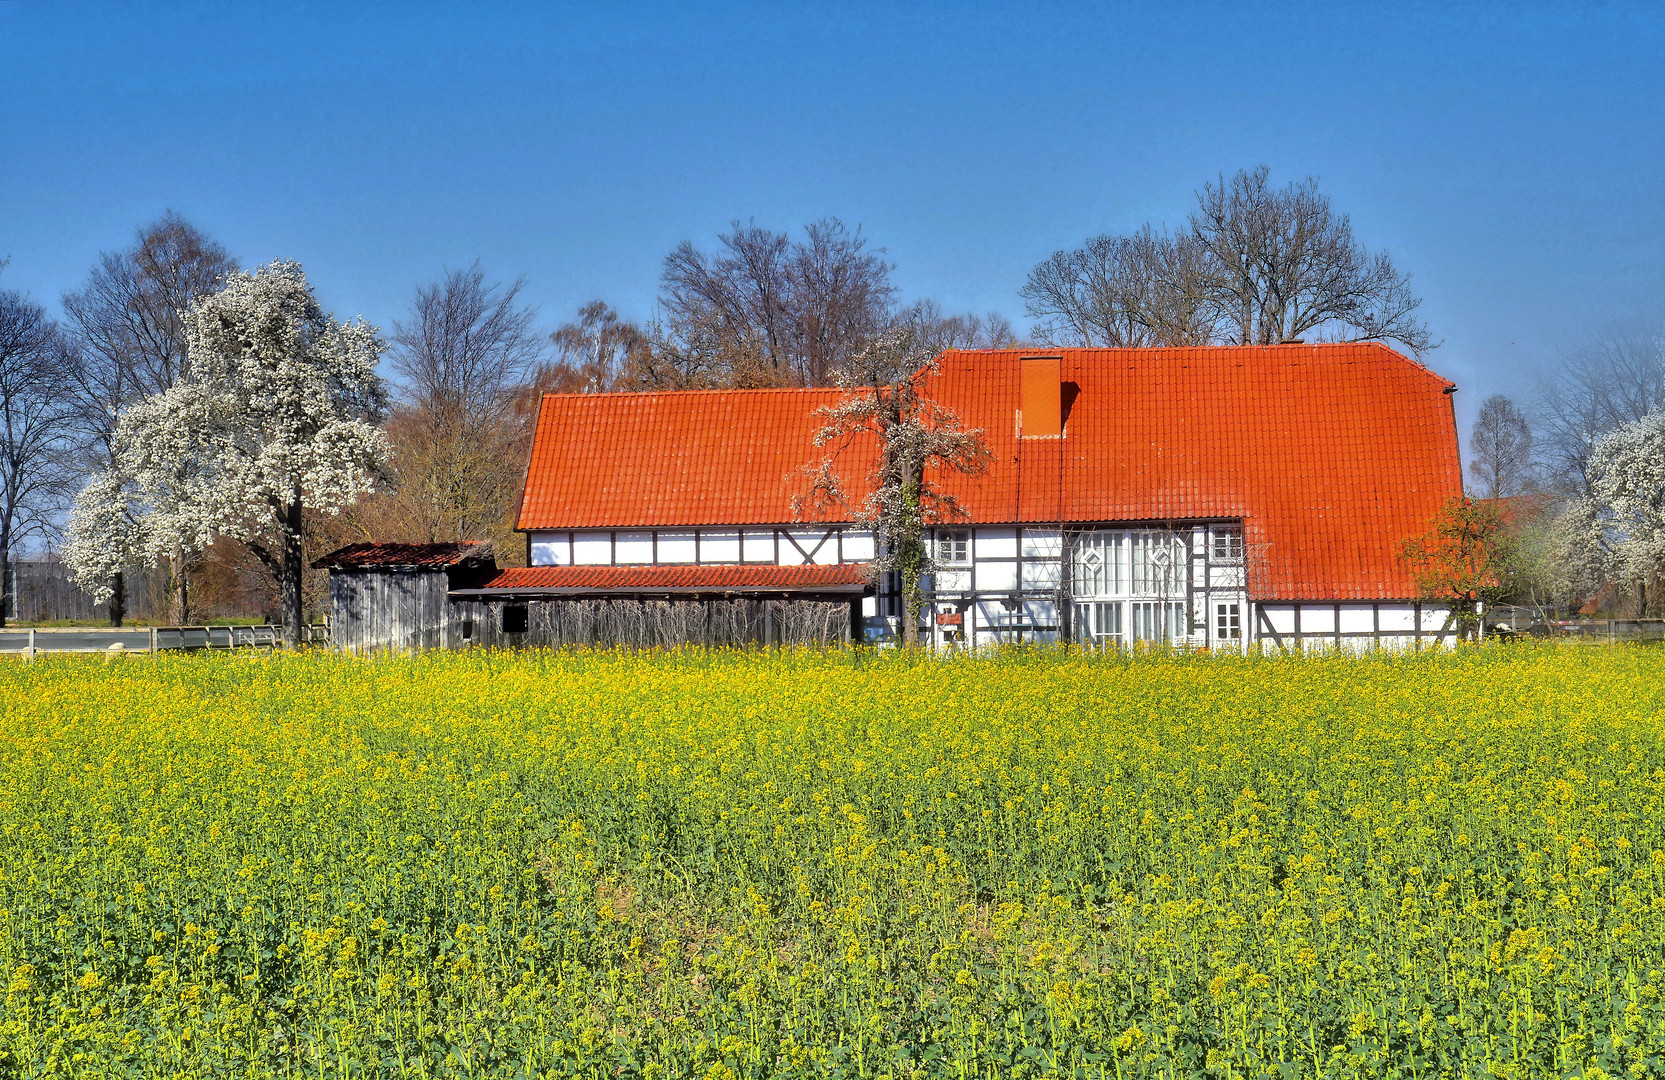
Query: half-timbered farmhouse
{"type": "Point", "coordinates": [1193, 496]}
{"type": "Point", "coordinates": [1204, 495]}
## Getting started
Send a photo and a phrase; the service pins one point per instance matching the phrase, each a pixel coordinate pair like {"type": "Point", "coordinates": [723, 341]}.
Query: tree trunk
{"type": "Point", "coordinates": [118, 599]}
{"type": "Point", "coordinates": [289, 585]}
{"type": "Point", "coordinates": [910, 609]}
{"type": "Point", "coordinates": [181, 588]}
{"type": "Point", "coordinates": [6, 581]}
{"type": "Point", "coordinates": [911, 562]}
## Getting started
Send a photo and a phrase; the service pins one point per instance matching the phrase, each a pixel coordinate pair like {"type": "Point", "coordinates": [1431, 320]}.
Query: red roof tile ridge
{"type": "Point", "coordinates": [645, 395]}
{"type": "Point", "coordinates": [1362, 348]}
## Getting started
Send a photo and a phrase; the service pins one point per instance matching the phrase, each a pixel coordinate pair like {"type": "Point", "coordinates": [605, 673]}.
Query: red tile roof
{"type": "Point", "coordinates": [847, 577]}
{"type": "Point", "coordinates": [389, 556]}
{"type": "Point", "coordinates": [700, 457]}
{"type": "Point", "coordinates": [1331, 454]}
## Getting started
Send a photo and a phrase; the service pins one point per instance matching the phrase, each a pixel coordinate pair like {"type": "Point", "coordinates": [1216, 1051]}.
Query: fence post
{"type": "Point", "coordinates": [153, 640]}
{"type": "Point", "coordinates": [31, 645]}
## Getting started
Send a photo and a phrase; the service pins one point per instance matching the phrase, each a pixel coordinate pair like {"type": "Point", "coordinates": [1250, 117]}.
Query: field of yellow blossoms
{"type": "Point", "coordinates": [834, 864]}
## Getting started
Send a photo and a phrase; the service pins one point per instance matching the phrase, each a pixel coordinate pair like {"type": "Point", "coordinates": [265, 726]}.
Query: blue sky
{"type": "Point", "coordinates": [1512, 158]}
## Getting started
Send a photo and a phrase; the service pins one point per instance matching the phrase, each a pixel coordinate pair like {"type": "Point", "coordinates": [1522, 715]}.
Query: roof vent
{"type": "Point", "coordinates": [1041, 397]}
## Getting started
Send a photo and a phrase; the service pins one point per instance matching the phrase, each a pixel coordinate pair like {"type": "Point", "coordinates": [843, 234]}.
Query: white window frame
{"type": "Point", "coordinates": [1227, 544]}
{"type": "Point", "coordinates": [1228, 621]}
{"type": "Point", "coordinates": [1157, 621]}
{"type": "Point", "coordinates": [953, 547]}
{"type": "Point", "coordinates": [1099, 622]}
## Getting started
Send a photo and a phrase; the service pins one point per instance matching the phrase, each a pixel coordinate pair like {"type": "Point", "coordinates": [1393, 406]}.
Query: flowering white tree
{"type": "Point", "coordinates": [918, 439]}
{"type": "Point", "coordinates": [275, 415]}
{"type": "Point", "coordinates": [1618, 529]}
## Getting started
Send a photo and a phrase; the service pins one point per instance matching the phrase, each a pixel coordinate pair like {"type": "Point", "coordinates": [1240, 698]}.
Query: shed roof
{"type": "Point", "coordinates": [406, 556]}
{"type": "Point", "coordinates": [1330, 454]}
{"type": "Point", "coordinates": [843, 578]}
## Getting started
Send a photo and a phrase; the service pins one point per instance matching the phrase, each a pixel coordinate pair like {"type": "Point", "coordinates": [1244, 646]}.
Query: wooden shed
{"type": "Point", "coordinates": [396, 596]}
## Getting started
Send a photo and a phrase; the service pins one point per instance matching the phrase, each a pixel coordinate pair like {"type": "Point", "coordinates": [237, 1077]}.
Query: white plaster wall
{"type": "Point", "coordinates": [807, 539]}
{"type": "Point", "coordinates": [758, 546]}
{"type": "Point", "coordinates": [996, 577]}
{"type": "Point", "coordinates": [1398, 623]}
{"type": "Point", "coordinates": [633, 547]}
{"type": "Point", "coordinates": [592, 548]}
{"type": "Point", "coordinates": [720, 547]}
{"type": "Point", "coordinates": [551, 549]}
{"type": "Point", "coordinates": [858, 546]}
{"type": "Point", "coordinates": [1040, 575]}
{"type": "Point", "coordinates": [995, 543]}
{"type": "Point", "coordinates": [1317, 619]}
{"type": "Point", "coordinates": [1281, 618]}
{"type": "Point", "coordinates": [677, 547]}
{"type": "Point", "coordinates": [1398, 617]}
{"type": "Point", "coordinates": [1357, 619]}
{"type": "Point", "coordinates": [1042, 544]}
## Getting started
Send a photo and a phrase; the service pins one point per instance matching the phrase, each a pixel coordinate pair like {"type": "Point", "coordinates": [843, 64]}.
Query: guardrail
{"type": "Point", "coordinates": [30, 643]}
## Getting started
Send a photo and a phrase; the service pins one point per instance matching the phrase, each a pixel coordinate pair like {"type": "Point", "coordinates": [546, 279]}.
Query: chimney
{"type": "Point", "coordinates": [1041, 396]}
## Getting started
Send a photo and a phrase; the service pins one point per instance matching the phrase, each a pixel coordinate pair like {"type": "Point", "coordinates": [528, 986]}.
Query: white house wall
{"type": "Point", "coordinates": [1395, 624]}
{"type": "Point", "coordinates": [778, 545]}
{"type": "Point", "coordinates": [1011, 581]}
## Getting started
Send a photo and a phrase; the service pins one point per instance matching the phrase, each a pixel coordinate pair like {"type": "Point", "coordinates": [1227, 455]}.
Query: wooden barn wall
{"type": "Point", "coordinates": [655, 623]}
{"type": "Point", "coordinates": [387, 609]}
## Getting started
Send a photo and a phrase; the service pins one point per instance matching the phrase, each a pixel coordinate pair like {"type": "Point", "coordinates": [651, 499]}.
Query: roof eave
{"type": "Point", "coordinates": [534, 592]}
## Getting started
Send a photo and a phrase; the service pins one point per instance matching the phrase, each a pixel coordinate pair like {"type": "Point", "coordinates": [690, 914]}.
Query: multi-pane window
{"type": "Point", "coordinates": [1158, 560]}
{"type": "Point", "coordinates": [954, 547]}
{"type": "Point", "coordinates": [1098, 622]}
{"type": "Point", "coordinates": [1140, 562]}
{"type": "Point", "coordinates": [1098, 566]}
{"type": "Point", "coordinates": [1228, 624]}
{"type": "Point", "coordinates": [1158, 620]}
{"type": "Point", "coordinates": [1228, 543]}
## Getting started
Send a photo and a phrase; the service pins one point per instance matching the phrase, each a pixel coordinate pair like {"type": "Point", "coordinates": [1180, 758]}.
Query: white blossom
{"type": "Point", "coordinates": [107, 534]}
{"type": "Point", "coordinates": [1620, 525]}
{"type": "Point", "coordinates": [275, 413]}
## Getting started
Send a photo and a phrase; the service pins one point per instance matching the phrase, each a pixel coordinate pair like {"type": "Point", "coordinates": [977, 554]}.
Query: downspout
{"type": "Point", "coordinates": [1450, 393]}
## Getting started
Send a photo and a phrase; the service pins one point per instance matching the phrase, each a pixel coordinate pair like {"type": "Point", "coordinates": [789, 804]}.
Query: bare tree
{"type": "Point", "coordinates": [1616, 376]}
{"type": "Point", "coordinates": [777, 311]}
{"type": "Point", "coordinates": [937, 331]}
{"type": "Point", "coordinates": [918, 440]}
{"type": "Point", "coordinates": [840, 297]}
{"type": "Point", "coordinates": [1120, 291]}
{"type": "Point", "coordinates": [467, 343]}
{"type": "Point", "coordinates": [740, 294]}
{"type": "Point", "coordinates": [1284, 264]}
{"type": "Point", "coordinates": [129, 316]}
{"type": "Point", "coordinates": [35, 428]}
{"type": "Point", "coordinates": [1500, 449]}
{"type": "Point", "coordinates": [595, 353]}
{"type": "Point", "coordinates": [458, 443]}
{"type": "Point", "coordinates": [1253, 265]}
{"type": "Point", "coordinates": [127, 324]}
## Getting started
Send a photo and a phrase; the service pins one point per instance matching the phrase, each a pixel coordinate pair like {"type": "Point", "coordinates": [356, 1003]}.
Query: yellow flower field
{"type": "Point", "coordinates": [841, 864]}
